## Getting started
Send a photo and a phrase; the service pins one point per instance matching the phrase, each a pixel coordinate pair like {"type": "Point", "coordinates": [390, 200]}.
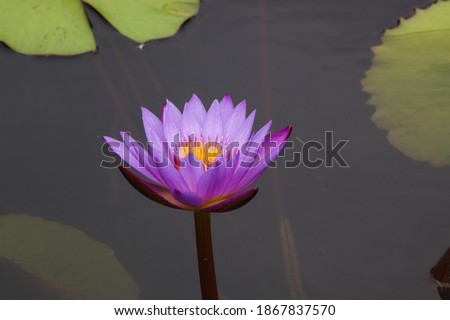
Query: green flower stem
{"type": "Point", "coordinates": [205, 256]}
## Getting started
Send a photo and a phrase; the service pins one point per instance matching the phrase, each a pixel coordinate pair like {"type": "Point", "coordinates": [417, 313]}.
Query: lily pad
{"type": "Point", "coordinates": [43, 27]}
{"type": "Point", "coordinates": [145, 20]}
{"type": "Point", "coordinates": [61, 27]}
{"type": "Point", "coordinates": [409, 83]}
{"type": "Point", "coordinates": [19, 284]}
{"type": "Point", "coordinates": [65, 257]}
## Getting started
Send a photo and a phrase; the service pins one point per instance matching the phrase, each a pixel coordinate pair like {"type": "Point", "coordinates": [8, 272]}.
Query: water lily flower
{"type": "Point", "coordinates": [199, 160]}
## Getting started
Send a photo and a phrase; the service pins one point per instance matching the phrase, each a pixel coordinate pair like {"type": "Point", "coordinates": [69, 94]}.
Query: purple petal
{"type": "Point", "coordinates": [172, 179]}
{"type": "Point", "coordinates": [231, 166]}
{"type": "Point", "coordinates": [193, 116]}
{"type": "Point", "coordinates": [151, 191]}
{"type": "Point", "coordinates": [235, 121]}
{"type": "Point", "coordinates": [244, 160]}
{"type": "Point", "coordinates": [266, 156]}
{"type": "Point", "coordinates": [196, 108]}
{"type": "Point", "coordinates": [261, 133]}
{"type": "Point", "coordinates": [211, 183]}
{"type": "Point", "coordinates": [232, 203]}
{"type": "Point", "coordinates": [188, 197]}
{"type": "Point", "coordinates": [164, 172]}
{"type": "Point", "coordinates": [272, 143]}
{"type": "Point", "coordinates": [191, 169]}
{"type": "Point", "coordinates": [252, 158]}
{"type": "Point", "coordinates": [243, 134]}
{"type": "Point", "coordinates": [119, 148]}
{"type": "Point", "coordinates": [212, 126]}
{"type": "Point", "coordinates": [154, 129]}
{"type": "Point", "coordinates": [172, 122]}
{"type": "Point", "coordinates": [145, 160]}
{"type": "Point", "coordinates": [152, 125]}
{"type": "Point", "coordinates": [226, 107]}
{"type": "Point", "coordinates": [190, 125]}
{"type": "Point", "coordinates": [154, 132]}
{"type": "Point", "coordinates": [241, 164]}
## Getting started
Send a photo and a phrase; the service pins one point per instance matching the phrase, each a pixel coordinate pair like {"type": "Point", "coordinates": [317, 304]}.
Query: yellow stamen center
{"type": "Point", "coordinates": [206, 153]}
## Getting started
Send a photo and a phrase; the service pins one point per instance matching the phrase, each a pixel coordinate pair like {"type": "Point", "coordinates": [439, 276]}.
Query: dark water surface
{"type": "Point", "coordinates": [369, 231]}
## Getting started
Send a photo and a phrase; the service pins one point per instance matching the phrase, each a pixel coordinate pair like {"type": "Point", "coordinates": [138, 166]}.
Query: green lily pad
{"type": "Point", "coordinates": [61, 27]}
{"type": "Point", "coordinates": [409, 83]}
{"type": "Point", "coordinates": [43, 27]}
{"type": "Point", "coordinates": [143, 20]}
{"type": "Point", "coordinates": [65, 257]}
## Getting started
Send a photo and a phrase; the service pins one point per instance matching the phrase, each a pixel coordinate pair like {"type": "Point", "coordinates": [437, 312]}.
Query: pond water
{"type": "Point", "coordinates": [370, 231]}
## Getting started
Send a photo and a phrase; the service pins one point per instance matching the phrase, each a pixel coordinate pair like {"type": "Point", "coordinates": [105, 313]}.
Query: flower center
{"type": "Point", "coordinates": [206, 153]}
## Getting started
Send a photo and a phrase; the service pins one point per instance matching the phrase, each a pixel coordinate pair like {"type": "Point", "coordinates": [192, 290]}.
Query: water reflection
{"type": "Point", "coordinates": [291, 260]}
